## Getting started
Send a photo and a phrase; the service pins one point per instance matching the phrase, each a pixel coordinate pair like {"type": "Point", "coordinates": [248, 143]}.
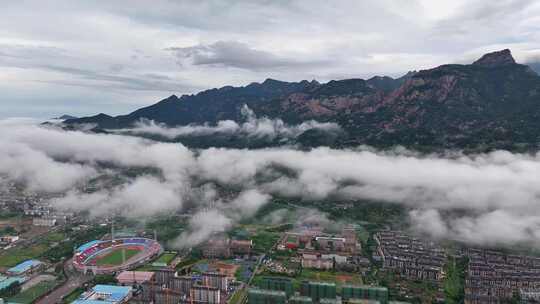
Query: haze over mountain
{"type": "Point", "coordinates": [491, 103]}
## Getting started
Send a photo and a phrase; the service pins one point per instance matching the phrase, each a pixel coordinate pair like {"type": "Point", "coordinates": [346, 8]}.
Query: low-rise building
{"type": "Point", "coordinates": [493, 276]}
{"type": "Point", "coordinates": [37, 210]}
{"type": "Point", "coordinates": [410, 257]}
{"type": "Point", "coordinates": [106, 294]}
{"type": "Point", "coordinates": [331, 244]}
{"type": "Point", "coordinates": [45, 221]}
{"type": "Point", "coordinates": [225, 268]}
{"type": "Point", "coordinates": [313, 259]}
{"type": "Point", "coordinates": [134, 277]}
{"type": "Point", "coordinates": [529, 295]}
{"type": "Point", "coordinates": [5, 282]}
{"type": "Point", "coordinates": [222, 247]}
{"type": "Point", "coordinates": [8, 239]}
{"type": "Point", "coordinates": [25, 268]}
{"type": "Point", "coordinates": [316, 239]}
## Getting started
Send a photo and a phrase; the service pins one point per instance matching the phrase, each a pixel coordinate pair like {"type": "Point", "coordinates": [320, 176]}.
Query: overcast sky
{"type": "Point", "coordinates": [85, 57]}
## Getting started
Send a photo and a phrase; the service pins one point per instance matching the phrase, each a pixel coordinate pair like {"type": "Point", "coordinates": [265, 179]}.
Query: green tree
{"type": "Point", "coordinates": [454, 283]}
{"type": "Point", "coordinates": [104, 279]}
{"type": "Point", "coordinates": [11, 290]}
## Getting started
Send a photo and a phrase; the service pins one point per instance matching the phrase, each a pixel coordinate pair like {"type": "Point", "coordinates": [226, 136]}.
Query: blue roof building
{"type": "Point", "coordinates": [105, 294]}
{"type": "Point", "coordinates": [24, 267]}
{"type": "Point", "coordinates": [88, 302]}
{"type": "Point", "coordinates": [83, 247]}
{"type": "Point", "coordinates": [5, 282]}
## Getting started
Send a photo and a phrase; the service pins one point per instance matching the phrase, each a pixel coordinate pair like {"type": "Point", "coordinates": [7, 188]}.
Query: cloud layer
{"type": "Point", "coordinates": [483, 199]}
{"type": "Point", "coordinates": [253, 127]}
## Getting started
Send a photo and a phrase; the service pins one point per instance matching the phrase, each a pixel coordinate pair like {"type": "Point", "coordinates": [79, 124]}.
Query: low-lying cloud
{"type": "Point", "coordinates": [221, 216]}
{"type": "Point", "coordinates": [496, 193]}
{"type": "Point", "coordinates": [253, 127]}
{"type": "Point", "coordinates": [492, 228]}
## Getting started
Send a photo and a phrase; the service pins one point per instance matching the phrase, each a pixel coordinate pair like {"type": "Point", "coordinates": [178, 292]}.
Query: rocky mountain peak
{"type": "Point", "coordinates": [270, 81]}
{"type": "Point", "coordinates": [172, 97]}
{"type": "Point", "coordinates": [494, 59]}
{"type": "Point", "coordinates": [66, 117]}
{"type": "Point", "coordinates": [491, 104]}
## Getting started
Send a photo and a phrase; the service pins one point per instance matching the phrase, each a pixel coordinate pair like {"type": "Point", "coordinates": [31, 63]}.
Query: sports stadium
{"type": "Point", "coordinates": [103, 257]}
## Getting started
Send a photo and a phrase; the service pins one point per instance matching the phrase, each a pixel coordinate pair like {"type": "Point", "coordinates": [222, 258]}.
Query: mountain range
{"type": "Point", "coordinates": [493, 103]}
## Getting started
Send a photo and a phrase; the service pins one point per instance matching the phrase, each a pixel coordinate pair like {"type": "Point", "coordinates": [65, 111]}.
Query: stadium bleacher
{"type": "Point", "coordinates": [86, 254]}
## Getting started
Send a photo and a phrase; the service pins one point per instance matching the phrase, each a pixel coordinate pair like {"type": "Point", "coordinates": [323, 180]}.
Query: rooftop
{"type": "Point", "coordinates": [88, 302]}
{"type": "Point", "coordinates": [24, 266]}
{"type": "Point", "coordinates": [103, 294]}
{"type": "Point", "coordinates": [137, 276]}
{"type": "Point", "coordinates": [6, 282]}
{"type": "Point", "coordinates": [83, 247]}
{"type": "Point", "coordinates": [365, 287]}
{"type": "Point", "coordinates": [267, 292]}
{"type": "Point", "coordinates": [320, 283]}
{"type": "Point", "coordinates": [109, 289]}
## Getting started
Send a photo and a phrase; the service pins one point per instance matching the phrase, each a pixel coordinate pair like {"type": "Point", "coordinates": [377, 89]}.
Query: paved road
{"type": "Point", "coordinates": [255, 270]}
{"type": "Point", "coordinates": [36, 280]}
{"type": "Point", "coordinates": [74, 280]}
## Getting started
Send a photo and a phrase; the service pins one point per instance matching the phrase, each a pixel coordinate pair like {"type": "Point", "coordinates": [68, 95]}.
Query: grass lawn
{"type": "Point", "coordinates": [147, 267]}
{"type": "Point", "coordinates": [55, 237]}
{"type": "Point", "coordinates": [263, 240]}
{"type": "Point", "coordinates": [166, 258]}
{"type": "Point", "coordinates": [74, 295]}
{"type": "Point", "coordinates": [7, 215]}
{"type": "Point", "coordinates": [115, 257]}
{"type": "Point", "coordinates": [339, 278]}
{"type": "Point", "coordinates": [28, 296]}
{"type": "Point", "coordinates": [14, 256]}
{"type": "Point", "coordinates": [330, 276]}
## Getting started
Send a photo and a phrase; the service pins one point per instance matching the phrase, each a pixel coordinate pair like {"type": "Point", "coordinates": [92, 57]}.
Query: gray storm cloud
{"type": "Point", "coordinates": [499, 190]}
{"type": "Point", "coordinates": [238, 55]}
{"type": "Point", "coordinates": [253, 126]}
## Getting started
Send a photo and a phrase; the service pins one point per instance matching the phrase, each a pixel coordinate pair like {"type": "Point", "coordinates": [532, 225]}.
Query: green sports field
{"type": "Point", "coordinates": [166, 258]}
{"type": "Point", "coordinates": [115, 257]}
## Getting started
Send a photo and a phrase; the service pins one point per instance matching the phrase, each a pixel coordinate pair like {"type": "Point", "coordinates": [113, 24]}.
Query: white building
{"type": "Point", "coordinates": [44, 221]}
